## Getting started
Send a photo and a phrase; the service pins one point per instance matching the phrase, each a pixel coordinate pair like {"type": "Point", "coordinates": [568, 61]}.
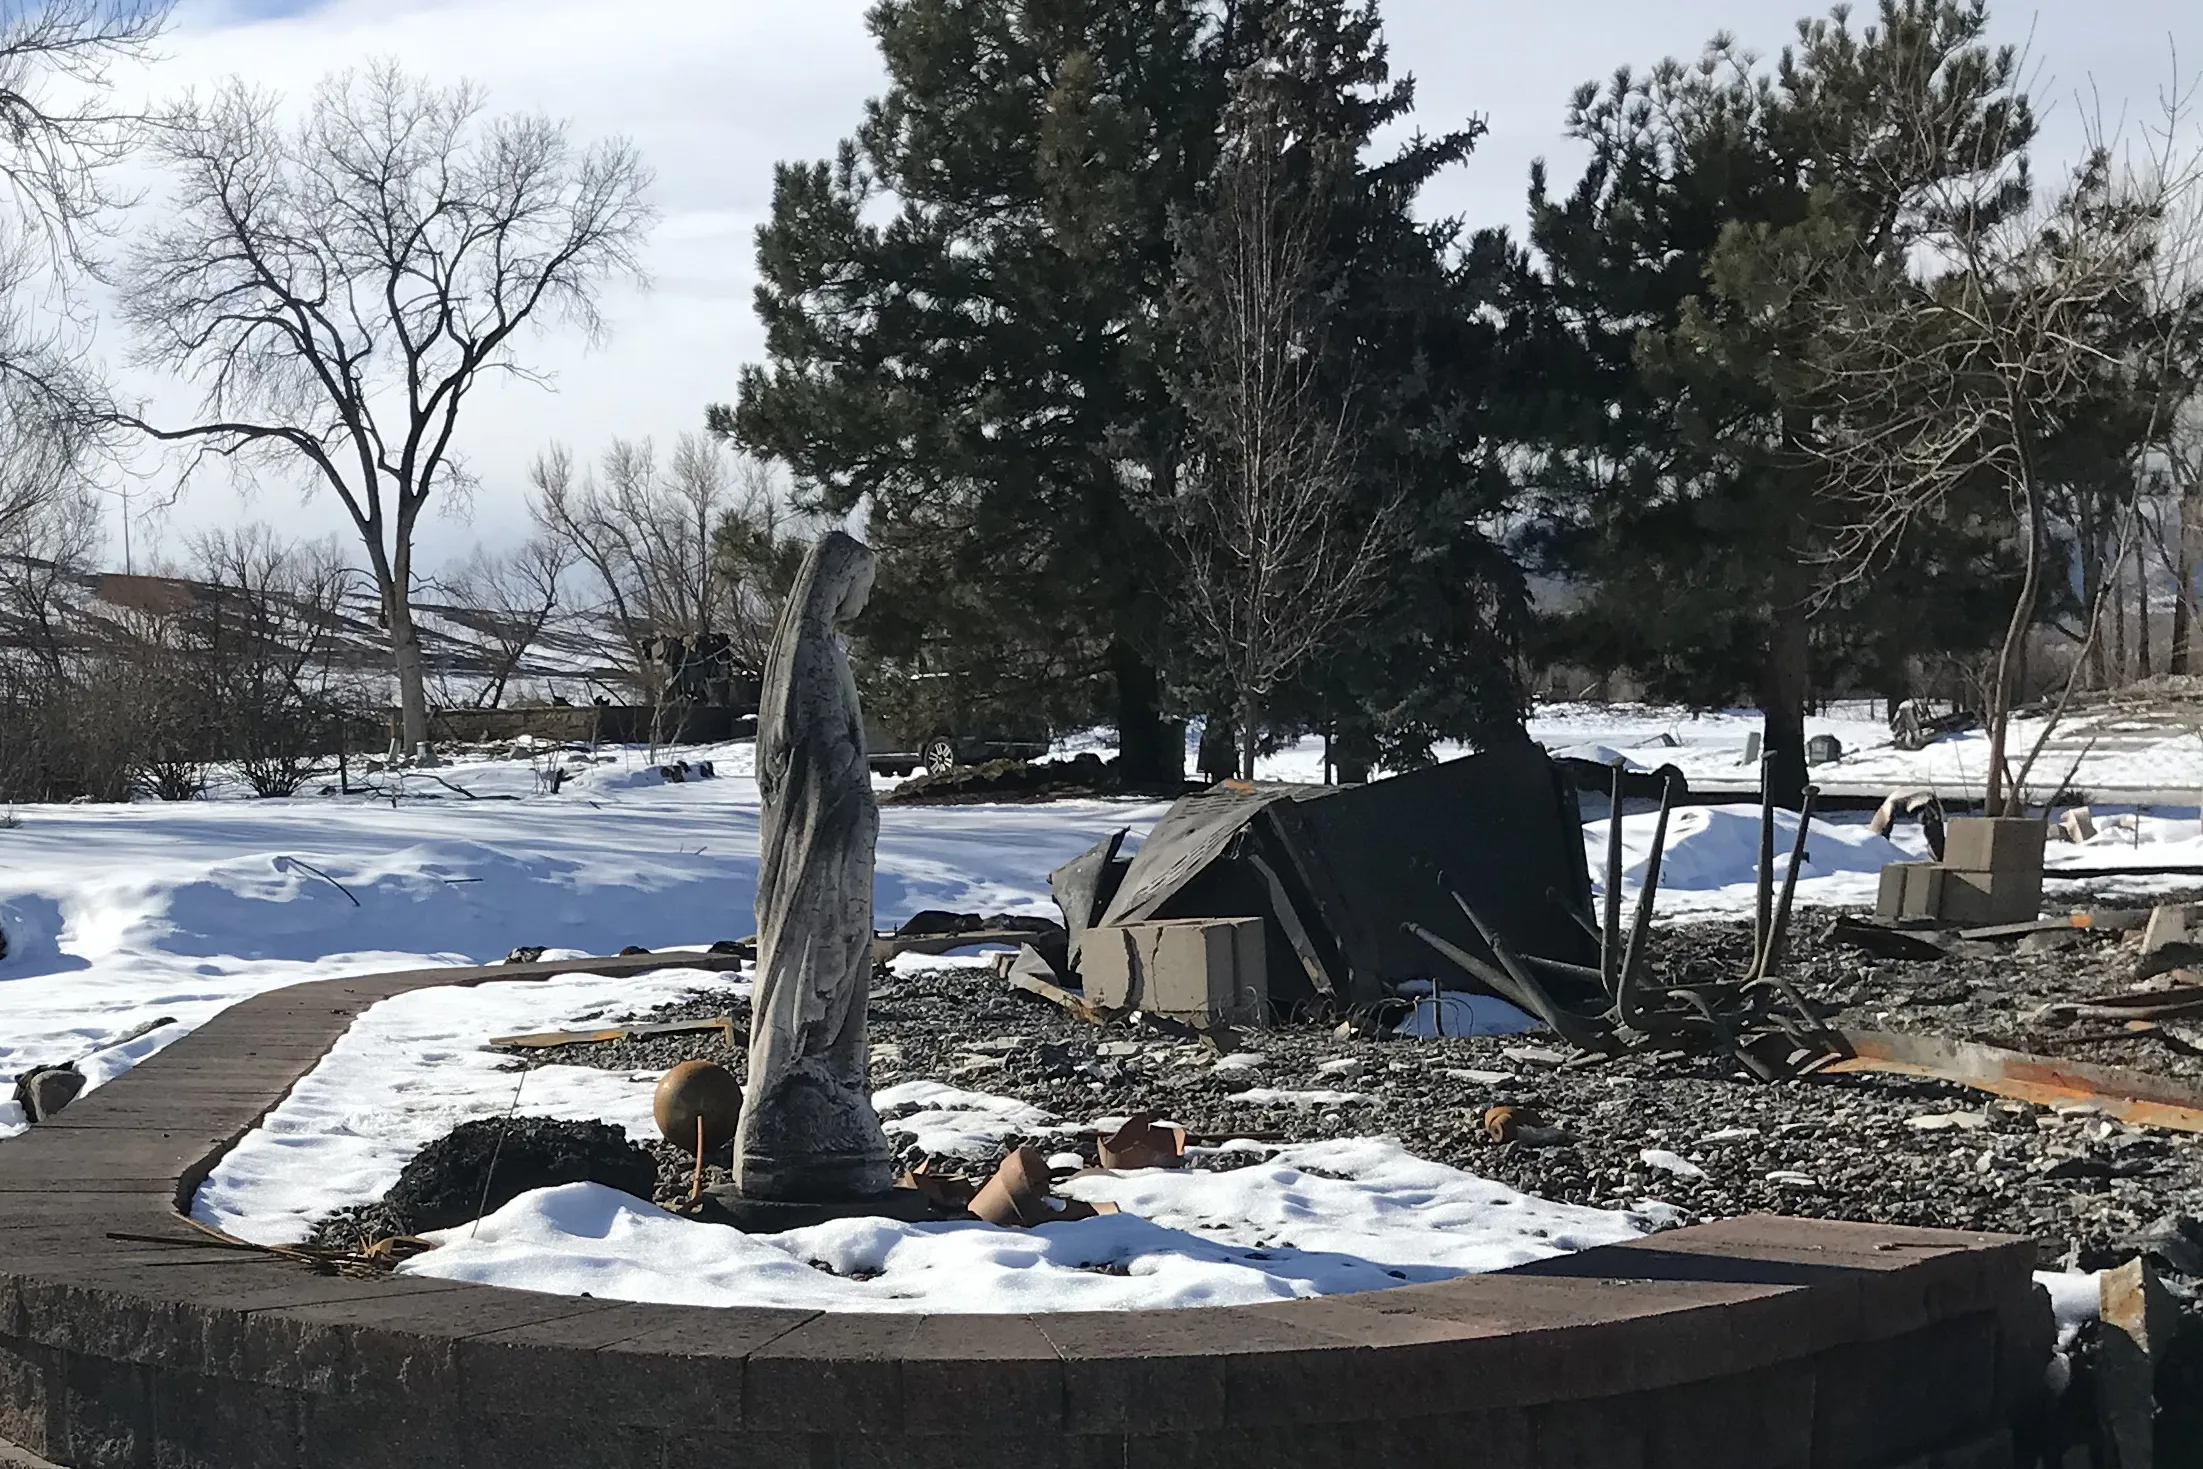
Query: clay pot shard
{"type": "Point", "coordinates": [1144, 1143]}
{"type": "Point", "coordinates": [1507, 1124]}
{"type": "Point", "coordinates": [943, 1191]}
{"type": "Point", "coordinates": [1017, 1196]}
{"type": "Point", "coordinates": [1018, 1192]}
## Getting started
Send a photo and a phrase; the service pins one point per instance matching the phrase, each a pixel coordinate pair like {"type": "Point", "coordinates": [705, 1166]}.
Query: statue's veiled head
{"type": "Point", "coordinates": [841, 581]}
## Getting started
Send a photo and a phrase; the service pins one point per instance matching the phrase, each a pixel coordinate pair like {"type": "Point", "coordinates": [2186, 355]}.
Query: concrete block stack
{"type": "Point", "coordinates": [1203, 971]}
{"type": "Point", "coordinates": [1991, 873]}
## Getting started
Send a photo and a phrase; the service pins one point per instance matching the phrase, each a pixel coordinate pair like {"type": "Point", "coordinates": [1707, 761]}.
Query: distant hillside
{"type": "Point", "coordinates": [576, 656]}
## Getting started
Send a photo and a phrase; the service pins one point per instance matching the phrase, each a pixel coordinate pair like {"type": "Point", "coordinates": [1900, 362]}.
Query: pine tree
{"type": "Point", "coordinates": [968, 328]}
{"type": "Point", "coordinates": [962, 317]}
{"type": "Point", "coordinates": [1687, 498]}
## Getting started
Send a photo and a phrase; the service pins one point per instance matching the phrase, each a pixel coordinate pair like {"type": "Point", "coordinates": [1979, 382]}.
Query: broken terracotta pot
{"type": "Point", "coordinates": [1143, 1143]}
{"type": "Point", "coordinates": [1017, 1195]}
{"type": "Point", "coordinates": [1018, 1192]}
{"type": "Point", "coordinates": [1520, 1125]}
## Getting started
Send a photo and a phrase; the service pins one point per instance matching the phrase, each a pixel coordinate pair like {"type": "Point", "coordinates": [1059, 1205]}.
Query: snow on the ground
{"type": "Point", "coordinates": [1373, 1216]}
{"type": "Point", "coordinates": [952, 1122]}
{"type": "Point", "coordinates": [120, 915]}
{"type": "Point", "coordinates": [2076, 1300]}
{"type": "Point", "coordinates": [1308, 1219]}
{"type": "Point", "coordinates": [1273, 1096]}
{"type": "Point", "coordinates": [1351, 1214]}
{"type": "Point", "coordinates": [411, 1069]}
{"type": "Point", "coordinates": [2110, 750]}
{"type": "Point", "coordinates": [1710, 863]}
{"type": "Point", "coordinates": [117, 915]}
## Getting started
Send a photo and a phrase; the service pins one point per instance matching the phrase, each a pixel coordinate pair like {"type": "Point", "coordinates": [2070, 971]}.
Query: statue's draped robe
{"type": "Point", "coordinates": [808, 1132]}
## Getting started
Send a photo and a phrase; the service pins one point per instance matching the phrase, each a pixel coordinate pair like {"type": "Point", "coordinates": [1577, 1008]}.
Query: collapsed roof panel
{"type": "Point", "coordinates": [1337, 871]}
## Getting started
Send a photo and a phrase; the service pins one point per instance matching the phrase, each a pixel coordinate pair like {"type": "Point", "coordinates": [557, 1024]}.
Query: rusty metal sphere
{"type": "Point", "coordinates": [696, 1089]}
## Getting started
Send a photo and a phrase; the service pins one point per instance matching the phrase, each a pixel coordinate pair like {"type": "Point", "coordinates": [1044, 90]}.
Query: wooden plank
{"type": "Point", "coordinates": [544, 1040]}
{"type": "Point", "coordinates": [2138, 1097]}
{"type": "Point", "coordinates": [887, 946]}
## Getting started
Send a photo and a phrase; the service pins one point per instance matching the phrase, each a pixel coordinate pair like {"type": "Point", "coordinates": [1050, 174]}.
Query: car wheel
{"type": "Point", "coordinates": [940, 756]}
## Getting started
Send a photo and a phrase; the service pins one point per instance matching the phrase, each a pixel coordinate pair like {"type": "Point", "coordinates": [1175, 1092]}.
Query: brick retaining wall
{"type": "Point", "coordinates": [1758, 1341]}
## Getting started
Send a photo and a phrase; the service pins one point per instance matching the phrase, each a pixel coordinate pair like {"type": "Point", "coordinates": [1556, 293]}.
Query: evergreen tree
{"type": "Point", "coordinates": [967, 327]}
{"type": "Point", "coordinates": [962, 318]}
{"type": "Point", "coordinates": [1676, 453]}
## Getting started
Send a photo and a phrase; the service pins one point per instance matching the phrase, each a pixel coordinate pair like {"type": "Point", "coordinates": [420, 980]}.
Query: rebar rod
{"type": "Point", "coordinates": [1610, 927]}
{"type": "Point", "coordinates": [1770, 953]}
{"type": "Point", "coordinates": [1764, 898]}
{"type": "Point", "coordinates": [1625, 989]}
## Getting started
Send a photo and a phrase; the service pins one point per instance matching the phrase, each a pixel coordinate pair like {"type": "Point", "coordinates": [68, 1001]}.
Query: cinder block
{"type": "Point", "coordinates": [1882, 1402]}
{"type": "Point", "coordinates": [1993, 844]}
{"type": "Point", "coordinates": [1889, 901]}
{"type": "Point", "coordinates": [1762, 1418]}
{"type": "Point", "coordinates": [2168, 925]}
{"type": "Point", "coordinates": [1911, 890]}
{"type": "Point", "coordinates": [24, 1395]}
{"type": "Point", "coordinates": [1199, 970]}
{"type": "Point", "coordinates": [1977, 899]}
{"type": "Point", "coordinates": [1108, 968]}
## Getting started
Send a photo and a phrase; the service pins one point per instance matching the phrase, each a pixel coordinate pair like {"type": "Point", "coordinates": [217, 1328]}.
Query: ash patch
{"type": "Point", "coordinates": [479, 1167]}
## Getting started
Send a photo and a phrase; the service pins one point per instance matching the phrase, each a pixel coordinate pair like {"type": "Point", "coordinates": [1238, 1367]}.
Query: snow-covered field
{"type": "Point", "coordinates": [2110, 751]}
{"type": "Point", "coordinates": [120, 915]}
{"type": "Point", "coordinates": [2117, 753]}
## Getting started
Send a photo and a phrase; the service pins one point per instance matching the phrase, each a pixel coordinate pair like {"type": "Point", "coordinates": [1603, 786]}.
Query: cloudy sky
{"type": "Point", "coordinates": [715, 91]}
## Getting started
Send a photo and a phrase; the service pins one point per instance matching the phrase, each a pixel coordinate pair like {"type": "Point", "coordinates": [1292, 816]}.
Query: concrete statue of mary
{"type": "Point", "coordinates": [808, 1134]}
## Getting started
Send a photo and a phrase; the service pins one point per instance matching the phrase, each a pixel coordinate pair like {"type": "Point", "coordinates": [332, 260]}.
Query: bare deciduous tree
{"type": "Point", "coordinates": [650, 538]}
{"type": "Point", "coordinates": [266, 631]}
{"type": "Point", "coordinates": [58, 140]}
{"type": "Point", "coordinates": [518, 592]}
{"type": "Point", "coordinates": [1952, 365]}
{"type": "Point", "coordinates": [336, 289]}
{"type": "Point", "coordinates": [59, 143]}
{"type": "Point", "coordinates": [1275, 567]}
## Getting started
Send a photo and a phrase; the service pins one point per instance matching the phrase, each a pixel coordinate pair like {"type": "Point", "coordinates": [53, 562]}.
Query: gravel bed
{"type": "Point", "coordinates": [1865, 1147]}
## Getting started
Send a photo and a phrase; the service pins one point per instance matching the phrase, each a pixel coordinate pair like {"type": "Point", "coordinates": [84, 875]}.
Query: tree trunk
{"type": "Point", "coordinates": [2115, 594]}
{"type": "Point", "coordinates": [1219, 754]}
{"type": "Point", "coordinates": [1785, 682]}
{"type": "Point", "coordinates": [2092, 580]}
{"type": "Point", "coordinates": [1249, 721]}
{"type": "Point", "coordinates": [1140, 730]}
{"type": "Point", "coordinates": [1997, 801]}
{"type": "Point", "coordinates": [2184, 589]}
{"type": "Point", "coordinates": [405, 652]}
{"type": "Point", "coordinates": [2141, 614]}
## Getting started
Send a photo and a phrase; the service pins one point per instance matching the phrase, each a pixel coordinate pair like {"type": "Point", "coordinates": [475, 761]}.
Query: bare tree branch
{"type": "Point", "coordinates": [1275, 568]}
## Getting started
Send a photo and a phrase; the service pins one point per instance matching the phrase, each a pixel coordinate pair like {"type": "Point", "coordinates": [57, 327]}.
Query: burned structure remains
{"type": "Point", "coordinates": [1340, 877]}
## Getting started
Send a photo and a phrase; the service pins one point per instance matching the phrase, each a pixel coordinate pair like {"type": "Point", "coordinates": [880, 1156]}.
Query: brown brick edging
{"type": "Point", "coordinates": [1749, 1341]}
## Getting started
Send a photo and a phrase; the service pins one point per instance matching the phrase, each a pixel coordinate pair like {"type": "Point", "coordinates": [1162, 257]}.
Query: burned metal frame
{"type": "Point", "coordinates": [1760, 1018]}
